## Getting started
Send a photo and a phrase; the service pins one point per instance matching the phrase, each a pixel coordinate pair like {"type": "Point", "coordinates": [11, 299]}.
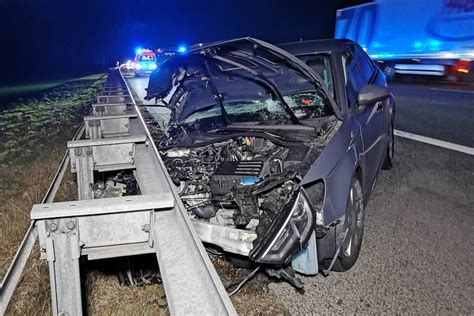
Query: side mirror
{"type": "Point", "coordinates": [371, 93]}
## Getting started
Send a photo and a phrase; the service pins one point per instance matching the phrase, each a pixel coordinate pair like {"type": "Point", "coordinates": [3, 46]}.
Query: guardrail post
{"type": "Point", "coordinates": [63, 252]}
{"type": "Point", "coordinates": [84, 164]}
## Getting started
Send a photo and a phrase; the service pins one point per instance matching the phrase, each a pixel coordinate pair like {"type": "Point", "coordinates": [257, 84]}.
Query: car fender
{"type": "Point", "coordinates": [336, 167]}
{"type": "Point", "coordinates": [338, 185]}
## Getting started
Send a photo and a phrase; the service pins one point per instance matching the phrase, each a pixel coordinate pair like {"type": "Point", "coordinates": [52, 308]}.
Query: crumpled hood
{"type": "Point", "coordinates": [194, 70]}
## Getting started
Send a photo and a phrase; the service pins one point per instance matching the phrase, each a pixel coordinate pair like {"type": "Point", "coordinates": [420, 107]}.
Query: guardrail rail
{"type": "Point", "coordinates": [154, 221]}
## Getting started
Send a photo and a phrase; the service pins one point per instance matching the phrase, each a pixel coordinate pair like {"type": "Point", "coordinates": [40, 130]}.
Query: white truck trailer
{"type": "Point", "coordinates": [407, 37]}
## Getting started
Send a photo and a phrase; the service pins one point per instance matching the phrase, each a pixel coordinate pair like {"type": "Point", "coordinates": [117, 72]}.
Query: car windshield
{"type": "Point", "coordinates": [305, 105]}
{"type": "Point", "coordinates": [321, 64]}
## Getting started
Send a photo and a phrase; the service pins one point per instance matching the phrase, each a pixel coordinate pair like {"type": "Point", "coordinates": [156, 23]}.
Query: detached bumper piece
{"type": "Point", "coordinates": [288, 234]}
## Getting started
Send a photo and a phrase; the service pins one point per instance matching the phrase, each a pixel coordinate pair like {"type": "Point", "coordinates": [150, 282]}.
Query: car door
{"type": "Point", "coordinates": [371, 119]}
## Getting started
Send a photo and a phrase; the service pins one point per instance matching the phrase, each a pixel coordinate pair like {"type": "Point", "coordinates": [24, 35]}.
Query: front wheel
{"type": "Point", "coordinates": [354, 222]}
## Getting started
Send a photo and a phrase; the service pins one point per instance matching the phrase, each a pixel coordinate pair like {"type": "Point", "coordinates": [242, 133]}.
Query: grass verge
{"type": "Point", "coordinates": [33, 136]}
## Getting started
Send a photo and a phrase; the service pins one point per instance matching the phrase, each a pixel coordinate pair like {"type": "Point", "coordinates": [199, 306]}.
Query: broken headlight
{"type": "Point", "coordinates": [288, 234]}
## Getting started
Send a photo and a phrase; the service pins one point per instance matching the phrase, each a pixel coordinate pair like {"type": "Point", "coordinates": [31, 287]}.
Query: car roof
{"type": "Point", "coordinates": [312, 46]}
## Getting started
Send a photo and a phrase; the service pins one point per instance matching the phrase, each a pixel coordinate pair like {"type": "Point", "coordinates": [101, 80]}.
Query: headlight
{"type": "Point", "coordinates": [289, 233]}
{"type": "Point", "coordinates": [153, 66]}
{"type": "Point", "coordinates": [138, 66]}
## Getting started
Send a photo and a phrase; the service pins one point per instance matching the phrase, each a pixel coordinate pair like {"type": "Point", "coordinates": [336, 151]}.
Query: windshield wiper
{"type": "Point", "coordinates": [261, 78]}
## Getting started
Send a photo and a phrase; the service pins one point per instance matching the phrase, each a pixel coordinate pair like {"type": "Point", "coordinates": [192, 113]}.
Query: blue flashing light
{"type": "Point", "coordinates": [182, 49]}
{"type": "Point", "coordinates": [138, 50]}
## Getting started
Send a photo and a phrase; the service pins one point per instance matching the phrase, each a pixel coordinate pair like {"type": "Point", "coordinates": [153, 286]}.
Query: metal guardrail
{"type": "Point", "coordinates": [155, 221]}
{"type": "Point", "coordinates": [191, 282]}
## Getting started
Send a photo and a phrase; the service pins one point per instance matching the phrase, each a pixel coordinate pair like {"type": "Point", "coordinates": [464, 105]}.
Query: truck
{"type": "Point", "coordinates": [405, 37]}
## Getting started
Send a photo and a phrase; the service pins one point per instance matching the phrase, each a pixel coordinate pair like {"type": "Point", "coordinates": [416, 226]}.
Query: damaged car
{"type": "Point", "coordinates": [274, 151]}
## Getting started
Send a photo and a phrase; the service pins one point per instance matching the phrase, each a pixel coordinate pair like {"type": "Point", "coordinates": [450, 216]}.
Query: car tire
{"type": "Point", "coordinates": [355, 222]}
{"type": "Point", "coordinates": [388, 160]}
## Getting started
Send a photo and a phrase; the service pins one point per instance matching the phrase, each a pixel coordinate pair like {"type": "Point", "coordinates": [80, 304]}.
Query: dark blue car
{"type": "Point", "coordinates": [275, 150]}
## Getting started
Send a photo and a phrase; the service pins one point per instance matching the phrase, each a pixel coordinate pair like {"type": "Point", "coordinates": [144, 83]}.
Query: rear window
{"type": "Point", "coordinates": [321, 64]}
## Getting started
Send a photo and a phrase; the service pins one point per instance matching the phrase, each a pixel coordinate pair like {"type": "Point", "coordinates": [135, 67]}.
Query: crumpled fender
{"type": "Point", "coordinates": [336, 167]}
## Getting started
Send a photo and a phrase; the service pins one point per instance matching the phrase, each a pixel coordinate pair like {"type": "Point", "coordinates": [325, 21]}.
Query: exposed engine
{"type": "Point", "coordinates": [240, 182]}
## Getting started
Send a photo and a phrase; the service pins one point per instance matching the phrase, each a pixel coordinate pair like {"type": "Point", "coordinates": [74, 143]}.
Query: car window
{"type": "Point", "coordinates": [353, 77]}
{"type": "Point", "coordinates": [364, 64]}
{"type": "Point", "coordinates": [321, 64]}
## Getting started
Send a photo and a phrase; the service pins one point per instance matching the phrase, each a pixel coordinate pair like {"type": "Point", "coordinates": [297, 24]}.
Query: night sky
{"type": "Point", "coordinates": [49, 39]}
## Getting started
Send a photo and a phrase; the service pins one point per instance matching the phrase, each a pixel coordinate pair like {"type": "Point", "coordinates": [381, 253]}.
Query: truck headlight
{"type": "Point", "coordinates": [138, 66]}
{"type": "Point", "coordinates": [289, 233]}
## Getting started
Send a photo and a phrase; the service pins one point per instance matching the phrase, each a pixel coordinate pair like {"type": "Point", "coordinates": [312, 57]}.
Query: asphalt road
{"type": "Point", "coordinates": [438, 110]}
{"type": "Point", "coordinates": [138, 86]}
{"type": "Point", "coordinates": [417, 253]}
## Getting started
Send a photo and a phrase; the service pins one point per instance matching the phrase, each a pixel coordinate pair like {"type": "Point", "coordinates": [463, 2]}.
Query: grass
{"type": "Point", "coordinates": [33, 136]}
{"type": "Point", "coordinates": [28, 88]}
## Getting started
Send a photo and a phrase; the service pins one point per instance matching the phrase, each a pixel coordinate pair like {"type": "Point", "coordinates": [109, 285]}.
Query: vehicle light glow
{"type": "Point", "coordinates": [182, 49]}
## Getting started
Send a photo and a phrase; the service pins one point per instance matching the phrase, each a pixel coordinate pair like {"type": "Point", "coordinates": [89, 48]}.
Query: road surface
{"type": "Point", "coordinates": [440, 111]}
{"type": "Point", "coordinates": [417, 253]}
{"type": "Point", "coordinates": [138, 86]}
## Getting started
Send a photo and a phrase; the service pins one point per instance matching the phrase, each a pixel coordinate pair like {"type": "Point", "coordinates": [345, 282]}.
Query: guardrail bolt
{"type": "Point", "coordinates": [53, 227]}
{"type": "Point", "coordinates": [70, 225]}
